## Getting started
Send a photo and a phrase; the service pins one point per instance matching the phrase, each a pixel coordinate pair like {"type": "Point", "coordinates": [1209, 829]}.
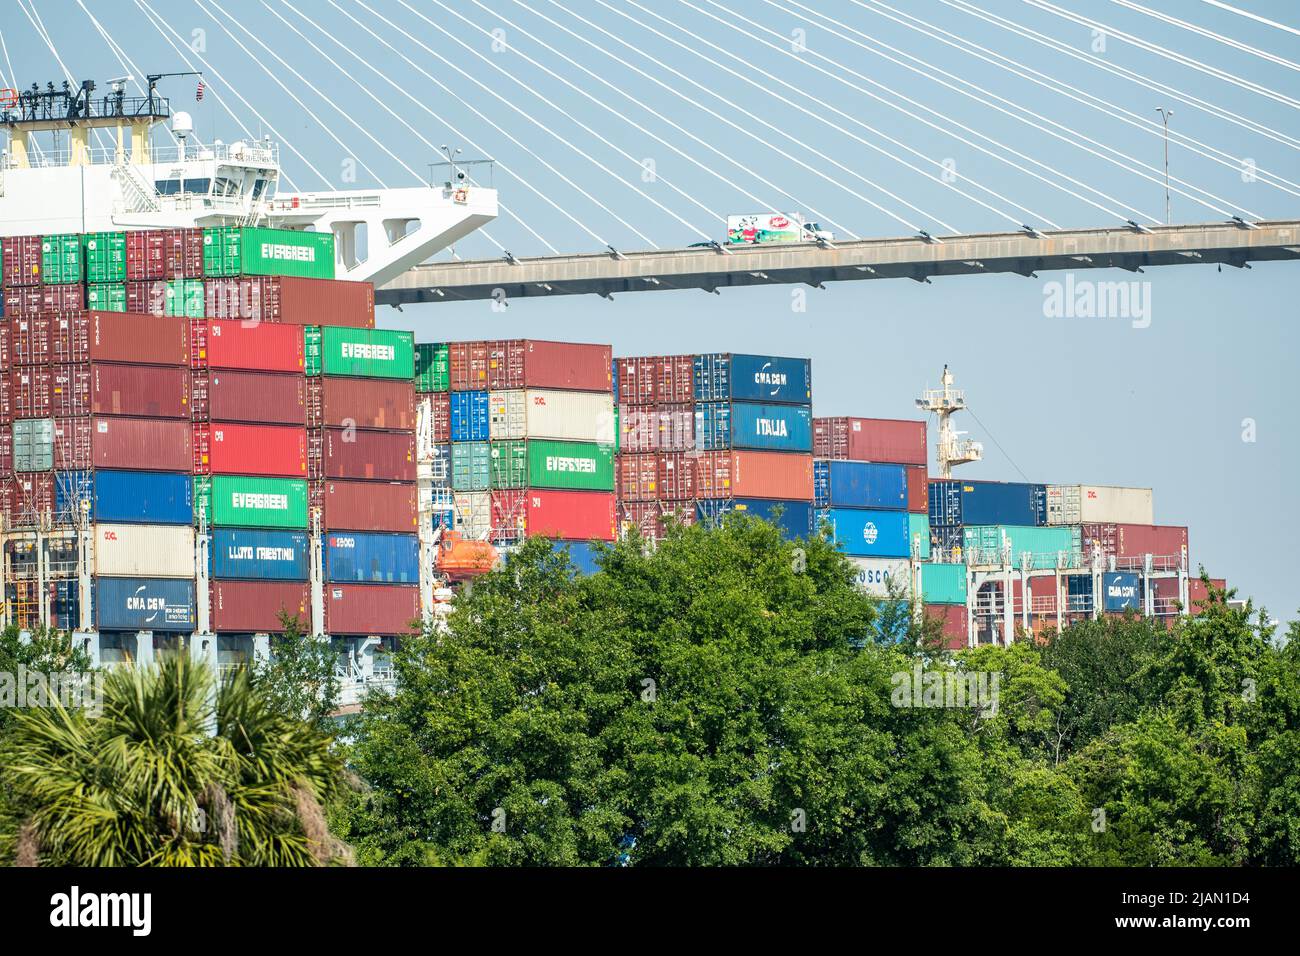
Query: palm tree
{"type": "Point", "coordinates": [165, 778]}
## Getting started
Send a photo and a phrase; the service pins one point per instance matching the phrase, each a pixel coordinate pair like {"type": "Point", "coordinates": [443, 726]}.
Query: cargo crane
{"type": "Point", "coordinates": [951, 449]}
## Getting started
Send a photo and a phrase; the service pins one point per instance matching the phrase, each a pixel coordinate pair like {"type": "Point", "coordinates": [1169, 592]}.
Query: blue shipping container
{"type": "Point", "coordinates": [859, 484]}
{"type": "Point", "coordinates": [795, 520]}
{"type": "Point", "coordinates": [144, 604]}
{"type": "Point", "coordinates": [126, 497]}
{"type": "Point", "coordinates": [721, 377]}
{"type": "Point", "coordinates": [374, 558]}
{"type": "Point", "coordinates": [259, 555]}
{"type": "Point", "coordinates": [582, 555]}
{"type": "Point", "coordinates": [440, 468]}
{"type": "Point", "coordinates": [1121, 591]}
{"type": "Point", "coordinates": [469, 416]}
{"type": "Point", "coordinates": [987, 502]}
{"type": "Point", "coordinates": [721, 425]}
{"type": "Point", "coordinates": [868, 533]}
{"type": "Point", "coordinates": [71, 488]}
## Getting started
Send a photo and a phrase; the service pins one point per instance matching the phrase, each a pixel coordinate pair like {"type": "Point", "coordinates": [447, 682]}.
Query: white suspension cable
{"type": "Point", "coordinates": [9, 63]}
{"type": "Point", "coordinates": [120, 54]}
{"type": "Point", "coordinates": [1253, 16]}
{"type": "Point", "coordinates": [1188, 99]}
{"type": "Point", "coordinates": [1210, 34]}
{"type": "Point", "coordinates": [34, 18]}
{"type": "Point", "coordinates": [1062, 88]}
{"type": "Point", "coordinates": [1164, 52]}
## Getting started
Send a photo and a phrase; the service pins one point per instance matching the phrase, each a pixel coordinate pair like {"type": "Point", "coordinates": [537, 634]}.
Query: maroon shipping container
{"type": "Point", "coordinates": [70, 390]}
{"type": "Point", "coordinates": [40, 299]}
{"type": "Point", "coordinates": [636, 380]}
{"type": "Point", "coordinates": [952, 618]}
{"type": "Point", "coordinates": [28, 498]}
{"type": "Point", "coordinates": [440, 415]}
{"type": "Point", "coordinates": [366, 609]}
{"type": "Point", "coordinates": [231, 448]}
{"type": "Point", "coordinates": [509, 515]}
{"type": "Point", "coordinates": [358, 453]}
{"type": "Point", "coordinates": [146, 254]}
{"type": "Point", "coordinates": [4, 344]}
{"type": "Point", "coordinates": [270, 398]}
{"type": "Point", "coordinates": [870, 439]}
{"type": "Point", "coordinates": [291, 300]}
{"type": "Point", "coordinates": [29, 339]}
{"type": "Point", "coordinates": [120, 337]}
{"type": "Point", "coordinates": [6, 400]}
{"type": "Point", "coordinates": [467, 364]}
{"type": "Point", "coordinates": [674, 379]}
{"type": "Point", "coordinates": [29, 389]}
{"type": "Point", "coordinates": [369, 506]}
{"type": "Point", "coordinates": [22, 258]}
{"type": "Point", "coordinates": [658, 428]}
{"type": "Point", "coordinates": [676, 473]}
{"type": "Point", "coordinates": [23, 301]}
{"type": "Point", "coordinates": [246, 346]}
{"type": "Point", "coordinates": [182, 253]}
{"type": "Point", "coordinates": [146, 391]}
{"type": "Point", "coordinates": [147, 297]}
{"type": "Point", "coordinates": [73, 447]}
{"type": "Point", "coordinates": [363, 403]}
{"type": "Point", "coordinates": [531, 363]}
{"type": "Point", "coordinates": [713, 475]}
{"type": "Point", "coordinates": [1165, 592]}
{"type": "Point", "coordinates": [252, 606]}
{"type": "Point", "coordinates": [651, 518]}
{"type": "Point", "coordinates": [918, 489]}
{"type": "Point", "coordinates": [638, 477]}
{"type": "Point", "coordinates": [571, 515]}
{"type": "Point", "coordinates": [1131, 541]}
{"type": "Point", "coordinates": [6, 451]}
{"type": "Point", "coordinates": [141, 444]}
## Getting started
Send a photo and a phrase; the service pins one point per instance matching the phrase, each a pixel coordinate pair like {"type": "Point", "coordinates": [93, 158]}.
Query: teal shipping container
{"type": "Point", "coordinates": [943, 583]}
{"type": "Point", "coordinates": [1043, 544]}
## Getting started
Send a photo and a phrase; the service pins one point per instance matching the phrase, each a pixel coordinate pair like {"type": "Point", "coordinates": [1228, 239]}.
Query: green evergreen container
{"type": "Point", "coordinates": [918, 526]}
{"type": "Point", "coordinates": [33, 444]}
{"type": "Point", "coordinates": [105, 254]}
{"type": "Point", "coordinates": [943, 583]}
{"type": "Point", "coordinates": [509, 464]}
{"type": "Point", "coordinates": [234, 501]}
{"type": "Point", "coordinates": [584, 466]}
{"type": "Point", "coordinates": [311, 349]}
{"type": "Point", "coordinates": [432, 367]}
{"type": "Point", "coordinates": [61, 259]}
{"type": "Point", "coordinates": [367, 353]}
{"type": "Point", "coordinates": [471, 466]}
{"type": "Point", "coordinates": [1042, 543]}
{"type": "Point", "coordinates": [234, 251]}
{"type": "Point", "coordinates": [106, 297]}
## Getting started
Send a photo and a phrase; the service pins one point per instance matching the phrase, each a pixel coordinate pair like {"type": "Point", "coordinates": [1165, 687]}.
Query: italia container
{"type": "Point", "coordinates": [372, 609]}
{"type": "Point", "coordinates": [987, 503]}
{"type": "Point", "coordinates": [364, 403]}
{"type": "Point", "coordinates": [266, 398]}
{"type": "Point", "coordinates": [387, 456]}
{"type": "Point", "coordinates": [770, 379]}
{"type": "Point", "coordinates": [470, 416]}
{"type": "Point", "coordinates": [531, 363]}
{"type": "Point", "coordinates": [875, 576]}
{"type": "Point", "coordinates": [366, 353]}
{"type": "Point", "coordinates": [20, 261]}
{"type": "Point", "coordinates": [720, 425]}
{"type": "Point", "coordinates": [1042, 544]}
{"type": "Point", "coordinates": [259, 555]}
{"type": "Point", "coordinates": [144, 604]}
{"type": "Point", "coordinates": [794, 518]}
{"type": "Point", "coordinates": [575, 515]}
{"type": "Point", "coordinates": [141, 444]}
{"type": "Point", "coordinates": [355, 556]}
{"type": "Point", "coordinates": [868, 533]}
{"type": "Point", "coordinates": [144, 550]}
{"type": "Point", "coordinates": [61, 259]}
{"type": "Point", "coordinates": [432, 367]}
{"type": "Point", "coordinates": [234, 251]}
{"type": "Point", "coordinates": [570, 416]}
{"type": "Point", "coordinates": [944, 583]}
{"type": "Point", "coordinates": [659, 428]}
{"type": "Point", "coordinates": [369, 505]}
{"type": "Point", "coordinates": [471, 466]}
{"type": "Point", "coordinates": [228, 448]}
{"type": "Point", "coordinates": [856, 484]}
{"type": "Point", "coordinates": [105, 256]}
{"type": "Point", "coordinates": [754, 474]}
{"type": "Point", "coordinates": [1091, 504]}
{"type": "Point", "coordinates": [250, 607]}
{"type": "Point", "coordinates": [245, 502]}
{"type": "Point", "coordinates": [291, 300]}
{"type": "Point", "coordinates": [144, 497]}
{"type": "Point", "coordinates": [576, 465]}
{"type": "Point", "coordinates": [898, 441]}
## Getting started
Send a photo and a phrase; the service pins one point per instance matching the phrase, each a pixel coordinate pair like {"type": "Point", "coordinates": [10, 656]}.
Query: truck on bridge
{"type": "Point", "coordinates": [765, 227]}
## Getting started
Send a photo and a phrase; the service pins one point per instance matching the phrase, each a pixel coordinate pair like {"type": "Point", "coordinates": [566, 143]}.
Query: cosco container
{"type": "Point", "coordinates": [794, 518]}
{"type": "Point", "coordinates": [245, 502]}
{"type": "Point", "coordinates": [875, 576]}
{"type": "Point", "coordinates": [432, 367]}
{"type": "Point", "coordinates": [227, 448]}
{"type": "Point", "coordinates": [566, 464]}
{"type": "Point", "coordinates": [144, 550]}
{"type": "Point", "coordinates": [983, 544]}
{"type": "Point", "coordinates": [944, 583]}
{"type": "Point", "coordinates": [376, 558]}
{"type": "Point", "coordinates": [250, 607]}
{"type": "Point", "coordinates": [291, 300]}
{"type": "Point", "coordinates": [266, 398]}
{"type": "Point", "coordinates": [141, 444]}
{"type": "Point", "coordinates": [369, 505]}
{"type": "Point", "coordinates": [265, 347]}
{"type": "Point", "coordinates": [372, 609]}
{"type": "Point", "coordinates": [144, 604]}
{"type": "Point", "coordinates": [1099, 504]}
{"type": "Point", "coordinates": [754, 474]}
{"type": "Point", "coordinates": [570, 416]}
{"type": "Point", "coordinates": [387, 456]}
{"type": "Point", "coordinates": [868, 533]}
{"type": "Point", "coordinates": [471, 466]}
{"type": "Point", "coordinates": [576, 515]}
{"type": "Point", "coordinates": [233, 251]}
{"type": "Point", "coordinates": [530, 363]}
{"type": "Point", "coordinates": [720, 425]}
{"type": "Point", "coordinates": [367, 353]}
{"type": "Point", "coordinates": [770, 379]}
{"type": "Point", "coordinates": [260, 555]}
{"type": "Point", "coordinates": [144, 497]}
{"type": "Point", "coordinates": [363, 403]}
{"type": "Point", "coordinates": [870, 439]}
{"type": "Point", "coordinates": [857, 484]}
{"type": "Point", "coordinates": [470, 419]}
{"type": "Point", "coordinates": [105, 255]}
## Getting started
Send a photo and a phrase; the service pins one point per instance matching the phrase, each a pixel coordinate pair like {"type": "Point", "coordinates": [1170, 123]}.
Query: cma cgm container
{"type": "Point", "coordinates": [378, 609]}
{"type": "Point", "coordinates": [291, 300]}
{"type": "Point", "coordinates": [144, 604]}
{"type": "Point", "coordinates": [247, 502]}
{"type": "Point", "coordinates": [1097, 504]}
{"type": "Point", "coordinates": [144, 550]}
{"type": "Point", "coordinates": [235, 251]}
{"type": "Point", "coordinates": [377, 558]}
{"type": "Point", "coordinates": [278, 451]}
{"type": "Point", "coordinates": [870, 439]}
{"type": "Point", "coordinates": [987, 503]}
{"type": "Point", "coordinates": [141, 444]}
{"type": "Point", "coordinates": [250, 607]}
{"type": "Point", "coordinates": [230, 344]}
{"type": "Point", "coordinates": [372, 505]}
{"type": "Point", "coordinates": [145, 497]}
{"type": "Point", "coordinates": [576, 515]}
{"type": "Point", "coordinates": [266, 398]}
{"type": "Point", "coordinates": [259, 555]}
{"type": "Point", "coordinates": [530, 363]}
{"type": "Point", "coordinates": [364, 403]}
{"type": "Point", "coordinates": [857, 484]}
{"type": "Point", "coordinates": [720, 425]}
{"type": "Point", "coordinates": [795, 518]}
{"type": "Point", "coordinates": [388, 456]}
{"type": "Point", "coordinates": [570, 416]}
{"type": "Point", "coordinates": [365, 353]}
{"type": "Point", "coordinates": [772, 379]}
{"type": "Point", "coordinates": [1043, 544]}
{"type": "Point", "coordinates": [754, 474]}
{"type": "Point", "coordinates": [869, 533]}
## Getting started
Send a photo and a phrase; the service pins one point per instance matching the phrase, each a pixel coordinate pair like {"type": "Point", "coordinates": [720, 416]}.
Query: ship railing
{"type": "Point", "coordinates": [311, 203]}
{"type": "Point", "coordinates": [267, 155]}
{"type": "Point", "coordinates": [1159, 562]}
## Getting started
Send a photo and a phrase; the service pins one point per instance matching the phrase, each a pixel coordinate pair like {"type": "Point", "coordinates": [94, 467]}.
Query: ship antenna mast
{"type": "Point", "coordinates": [951, 449]}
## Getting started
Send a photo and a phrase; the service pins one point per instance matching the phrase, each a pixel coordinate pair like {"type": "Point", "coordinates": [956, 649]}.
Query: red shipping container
{"type": "Point", "coordinates": [357, 453]}
{"type": "Point", "coordinates": [378, 609]}
{"type": "Point", "coordinates": [24, 301]}
{"type": "Point", "coordinates": [146, 255]}
{"type": "Point", "coordinates": [247, 346]}
{"type": "Point", "coordinates": [1132, 541]}
{"type": "Point", "coordinates": [142, 444]}
{"type": "Point", "coordinates": [771, 474]}
{"type": "Point", "coordinates": [676, 475]}
{"type": "Point", "coordinates": [659, 428]}
{"type": "Point", "coordinates": [509, 515]}
{"type": "Point", "coordinates": [291, 300]}
{"type": "Point", "coordinates": [952, 618]}
{"type": "Point", "coordinates": [713, 475]}
{"type": "Point", "coordinates": [183, 253]}
{"type": "Point", "coordinates": [227, 448]}
{"type": "Point", "coordinates": [918, 489]}
{"type": "Point", "coordinates": [636, 381]}
{"type": "Point", "coordinates": [29, 389]}
{"type": "Point", "coordinates": [440, 413]}
{"type": "Point", "coordinates": [22, 257]}
{"type": "Point", "coordinates": [870, 439]}
{"type": "Point", "coordinates": [29, 339]}
{"type": "Point", "coordinates": [271, 398]}
{"type": "Point", "coordinates": [315, 454]}
{"type": "Point", "coordinates": [638, 477]}
{"type": "Point", "coordinates": [4, 344]}
{"type": "Point", "coordinates": [365, 403]}
{"type": "Point", "coordinates": [6, 401]}
{"type": "Point", "coordinates": [73, 447]}
{"type": "Point", "coordinates": [120, 337]}
{"type": "Point", "coordinates": [651, 518]}
{"type": "Point", "coordinates": [6, 451]}
{"type": "Point", "coordinates": [467, 364]}
{"type": "Point", "coordinates": [31, 496]}
{"type": "Point", "coordinates": [146, 391]}
{"type": "Point", "coordinates": [674, 379]}
{"type": "Point", "coordinates": [255, 606]}
{"type": "Point", "coordinates": [147, 297]}
{"type": "Point", "coordinates": [572, 515]}
{"type": "Point", "coordinates": [531, 363]}
{"type": "Point", "coordinates": [369, 506]}
{"type": "Point", "coordinates": [40, 299]}
{"type": "Point", "coordinates": [70, 390]}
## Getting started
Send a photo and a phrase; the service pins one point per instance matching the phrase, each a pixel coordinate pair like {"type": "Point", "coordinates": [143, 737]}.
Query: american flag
{"type": "Point", "coordinates": [198, 94]}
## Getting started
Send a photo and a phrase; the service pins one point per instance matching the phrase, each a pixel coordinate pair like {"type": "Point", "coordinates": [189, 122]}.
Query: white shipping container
{"type": "Point", "coordinates": [874, 575]}
{"type": "Point", "coordinates": [1099, 504]}
{"type": "Point", "coordinates": [570, 416]}
{"type": "Point", "coordinates": [507, 414]}
{"type": "Point", "coordinates": [474, 514]}
{"type": "Point", "coordinates": [144, 550]}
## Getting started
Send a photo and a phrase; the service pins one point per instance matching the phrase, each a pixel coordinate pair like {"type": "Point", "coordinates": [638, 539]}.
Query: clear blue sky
{"type": "Point", "coordinates": [1088, 400]}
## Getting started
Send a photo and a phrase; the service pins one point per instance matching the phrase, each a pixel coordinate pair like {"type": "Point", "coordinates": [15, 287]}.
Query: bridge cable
{"type": "Point", "coordinates": [5, 47]}
{"type": "Point", "coordinates": [1087, 99]}
{"type": "Point", "coordinates": [1210, 34]}
{"type": "Point", "coordinates": [1253, 16]}
{"type": "Point", "coordinates": [34, 18]}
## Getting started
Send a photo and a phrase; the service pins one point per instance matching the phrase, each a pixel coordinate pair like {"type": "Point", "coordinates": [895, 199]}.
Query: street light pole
{"type": "Point", "coordinates": [1164, 115]}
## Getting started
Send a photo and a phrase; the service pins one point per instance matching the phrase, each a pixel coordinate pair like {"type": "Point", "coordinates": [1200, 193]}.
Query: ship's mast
{"type": "Point", "coordinates": [951, 449]}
